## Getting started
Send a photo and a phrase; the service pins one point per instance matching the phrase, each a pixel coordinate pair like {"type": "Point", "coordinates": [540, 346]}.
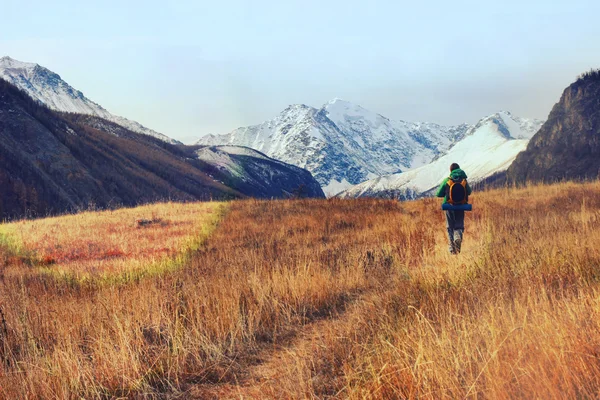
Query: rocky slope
{"type": "Point", "coordinates": [47, 87]}
{"type": "Point", "coordinates": [257, 175]}
{"type": "Point", "coordinates": [53, 162]}
{"type": "Point", "coordinates": [343, 144]}
{"type": "Point", "coordinates": [568, 145]}
{"type": "Point", "coordinates": [488, 147]}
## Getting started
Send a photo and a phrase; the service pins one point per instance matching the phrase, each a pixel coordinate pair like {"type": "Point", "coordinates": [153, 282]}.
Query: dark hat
{"type": "Point", "coordinates": [454, 166]}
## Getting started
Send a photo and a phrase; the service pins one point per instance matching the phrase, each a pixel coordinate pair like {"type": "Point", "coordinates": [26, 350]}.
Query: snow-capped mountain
{"type": "Point", "coordinates": [47, 87]}
{"type": "Point", "coordinates": [343, 144]}
{"type": "Point", "coordinates": [488, 147]}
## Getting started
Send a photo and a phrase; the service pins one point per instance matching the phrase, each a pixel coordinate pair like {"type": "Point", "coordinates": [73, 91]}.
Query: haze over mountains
{"type": "Point", "coordinates": [344, 145]}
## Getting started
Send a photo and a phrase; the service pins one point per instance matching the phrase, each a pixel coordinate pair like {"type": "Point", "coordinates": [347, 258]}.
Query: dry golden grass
{"type": "Point", "coordinates": [516, 315]}
{"type": "Point", "coordinates": [344, 299]}
{"type": "Point", "coordinates": [93, 244]}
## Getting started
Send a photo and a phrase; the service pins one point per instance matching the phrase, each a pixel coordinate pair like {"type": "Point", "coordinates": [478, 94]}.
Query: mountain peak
{"type": "Point", "coordinates": [337, 100]}
{"type": "Point", "coordinates": [339, 110]}
{"type": "Point", "coordinates": [48, 87]}
{"type": "Point", "coordinates": [508, 125]}
{"type": "Point", "coordinates": [297, 107]}
{"type": "Point", "coordinates": [500, 115]}
{"type": "Point", "coordinates": [338, 105]}
{"type": "Point", "coordinates": [8, 62]}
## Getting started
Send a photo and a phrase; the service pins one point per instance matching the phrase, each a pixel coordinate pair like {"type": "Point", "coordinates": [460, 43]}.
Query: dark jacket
{"type": "Point", "coordinates": [456, 174]}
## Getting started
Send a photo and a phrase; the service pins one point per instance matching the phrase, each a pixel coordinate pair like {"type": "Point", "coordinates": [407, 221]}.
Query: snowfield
{"type": "Point", "coordinates": [489, 147]}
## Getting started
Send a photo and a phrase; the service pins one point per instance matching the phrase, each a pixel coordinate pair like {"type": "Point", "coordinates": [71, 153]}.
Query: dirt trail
{"type": "Point", "coordinates": [267, 376]}
{"type": "Point", "coordinates": [276, 370]}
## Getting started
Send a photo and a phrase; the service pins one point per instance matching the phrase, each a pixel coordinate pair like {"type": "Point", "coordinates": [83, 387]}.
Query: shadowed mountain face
{"type": "Point", "coordinates": [52, 162]}
{"type": "Point", "coordinates": [568, 145]}
{"type": "Point", "coordinates": [257, 175]}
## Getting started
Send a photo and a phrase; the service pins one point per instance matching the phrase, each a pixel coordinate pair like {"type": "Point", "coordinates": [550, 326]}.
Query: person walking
{"type": "Point", "coordinates": [455, 190]}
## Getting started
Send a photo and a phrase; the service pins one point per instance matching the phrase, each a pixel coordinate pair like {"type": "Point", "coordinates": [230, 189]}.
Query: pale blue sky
{"type": "Point", "coordinates": [188, 68]}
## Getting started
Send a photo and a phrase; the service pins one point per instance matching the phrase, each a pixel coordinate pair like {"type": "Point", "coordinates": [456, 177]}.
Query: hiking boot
{"type": "Point", "coordinates": [458, 236]}
{"type": "Point", "coordinates": [451, 247]}
{"type": "Point", "coordinates": [457, 244]}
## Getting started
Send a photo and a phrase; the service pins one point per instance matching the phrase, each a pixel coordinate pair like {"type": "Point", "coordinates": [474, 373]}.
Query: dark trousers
{"type": "Point", "coordinates": [455, 224]}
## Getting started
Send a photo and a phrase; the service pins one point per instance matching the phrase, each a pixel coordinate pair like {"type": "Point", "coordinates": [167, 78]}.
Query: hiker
{"type": "Point", "coordinates": [455, 219]}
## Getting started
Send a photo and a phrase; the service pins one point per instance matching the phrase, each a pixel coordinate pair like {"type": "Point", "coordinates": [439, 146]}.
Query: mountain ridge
{"type": "Point", "coordinates": [567, 146]}
{"type": "Point", "coordinates": [53, 162]}
{"type": "Point", "coordinates": [344, 144]}
{"type": "Point", "coordinates": [50, 89]}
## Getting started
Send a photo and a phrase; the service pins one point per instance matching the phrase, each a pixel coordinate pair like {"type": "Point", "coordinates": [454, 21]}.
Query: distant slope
{"type": "Point", "coordinates": [488, 147]}
{"type": "Point", "coordinates": [52, 162]}
{"type": "Point", "coordinates": [47, 87]}
{"type": "Point", "coordinates": [240, 168]}
{"type": "Point", "coordinates": [568, 144]}
{"type": "Point", "coordinates": [343, 144]}
{"type": "Point", "coordinates": [257, 175]}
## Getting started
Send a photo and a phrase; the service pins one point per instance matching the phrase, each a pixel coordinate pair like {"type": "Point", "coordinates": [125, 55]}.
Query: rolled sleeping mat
{"type": "Point", "coordinates": [457, 207]}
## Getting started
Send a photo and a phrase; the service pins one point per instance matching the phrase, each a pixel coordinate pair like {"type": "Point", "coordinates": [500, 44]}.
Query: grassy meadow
{"type": "Point", "coordinates": [118, 244]}
{"type": "Point", "coordinates": [307, 299]}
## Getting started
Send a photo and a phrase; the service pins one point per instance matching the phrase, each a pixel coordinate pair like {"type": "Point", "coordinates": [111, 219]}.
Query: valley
{"type": "Point", "coordinates": [318, 298]}
{"type": "Point", "coordinates": [299, 200]}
